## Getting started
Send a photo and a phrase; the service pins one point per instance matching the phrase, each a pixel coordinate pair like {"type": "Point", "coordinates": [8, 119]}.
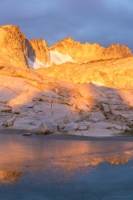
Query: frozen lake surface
{"type": "Point", "coordinates": [54, 167]}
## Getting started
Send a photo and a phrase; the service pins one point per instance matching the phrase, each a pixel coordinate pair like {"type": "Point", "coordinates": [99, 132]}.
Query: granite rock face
{"type": "Point", "coordinates": [17, 51]}
{"type": "Point", "coordinates": [46, 105]}
{"type": "Point", "coordinates": [14, 47]}
{"type": "Point", "coordinates": [41, 50]}
{"type": "Point", "coordinates": [88, 99]}
{"type": "Point", "coordinates": [83, 53]}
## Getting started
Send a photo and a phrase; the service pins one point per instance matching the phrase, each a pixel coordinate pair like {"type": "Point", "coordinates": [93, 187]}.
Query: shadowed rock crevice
{"type": "Point", "coordinates": [41, 49]}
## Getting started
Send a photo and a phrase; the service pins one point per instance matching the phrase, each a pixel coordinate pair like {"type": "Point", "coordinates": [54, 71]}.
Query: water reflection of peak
{"type": "Point", "coordinates": [92, 161]}
{"type": "Point", "coordinates": [39, 154]}
{"type": "Point", "coordinates": [119, 161]}
{"type": "Point", "coordinates": [113, 160]}
{"type": "Point", "coordinates": [9, 177]}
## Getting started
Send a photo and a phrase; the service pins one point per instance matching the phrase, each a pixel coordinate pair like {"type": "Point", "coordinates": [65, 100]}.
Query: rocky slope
{"type": "Point", "coordinates": [88, 99]}
{"type": "Point", "coordinates": [82, 53]}
{"type": "Point", "coordinates": [113, 73]}
{"type": "Point", "coordinates": [33, 101]}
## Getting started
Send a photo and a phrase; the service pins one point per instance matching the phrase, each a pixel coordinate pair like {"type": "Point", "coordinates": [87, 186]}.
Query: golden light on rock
{"type": "Point", "coordinates": [88, 94]}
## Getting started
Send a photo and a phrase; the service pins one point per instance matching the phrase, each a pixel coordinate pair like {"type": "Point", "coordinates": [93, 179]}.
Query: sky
{"type": "Point", "coordinates": [94, 21]}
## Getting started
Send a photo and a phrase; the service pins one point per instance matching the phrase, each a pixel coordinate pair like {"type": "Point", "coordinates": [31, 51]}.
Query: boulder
{"type": "Point", "coordinates": [71, 127]}
{"type": "Point", "coordinates": [46, 127]}
{"type": "Point", "coordinates": [114, 107]}
{"type": "Point", "coordinates": [26, 123]}
{"type": "Point", "coordinates": [83, 127]}
{"type": "Point", "coordinates": [101, 125]}
{"type": "Point", "coordinates": [106, 125]}
{"type": "Point", "coordinates": [115, 112]}
{"type": "Point", "coordinates": [4, 108]}
{"type": "Point", "coordinates": [4, 117]}
{"type": "Point", "coordinates": [60, 114]}
{"type": "Point", "coordinates": [43, 108]}
{"type": "Point", "coordinates": [99, 116]}
{"type": "Point", "coordinates": [126, 128]}
{"type": "Point", "coordinates": [105, 107]}
{"type": "Point", "coordinates": [18, 108]}
{"type": "Point", "coordinates": [29, 104]}
{"type": "Point", "coordinates": [10, 122]}
{"type": "Point", "coordinates": [85, 123]}
{"type": "Point", "coordinates": [28, 113]}
{"type": "Point", "coordinates": [27, 134]}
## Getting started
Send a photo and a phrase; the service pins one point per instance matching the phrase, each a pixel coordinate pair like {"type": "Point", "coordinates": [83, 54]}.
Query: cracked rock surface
{"type": "Point", "coordinates": [34, 102]}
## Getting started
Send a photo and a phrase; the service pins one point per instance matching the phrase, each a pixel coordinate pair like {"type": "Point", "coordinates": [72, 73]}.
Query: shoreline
{"type": "Point", "coordinates": [55, 136]}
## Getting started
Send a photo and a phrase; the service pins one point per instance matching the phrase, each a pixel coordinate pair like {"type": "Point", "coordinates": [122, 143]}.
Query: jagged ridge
{"type": "Point", "coordinates": [88, 52]}
{"type": "Point", "coordinates": [16, 50]}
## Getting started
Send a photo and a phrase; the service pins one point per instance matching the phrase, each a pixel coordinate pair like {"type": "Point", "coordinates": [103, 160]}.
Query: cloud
{"type": "Point", "coordinates": [91, 21]}
{"type": "Point", "coordinates": [13, 11]}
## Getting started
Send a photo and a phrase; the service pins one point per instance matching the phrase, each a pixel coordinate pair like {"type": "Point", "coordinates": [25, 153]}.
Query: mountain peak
{"type": "Point", "coordinates": [86, 52]}
{"type": "Point", "coordinates": [10, 29]}
{"type": "Point", "coordinates": [16, 50]}
{"type": "Point", "coordinates": [68, 39]}
{"type": "Point", "coordinates": [14, 46]}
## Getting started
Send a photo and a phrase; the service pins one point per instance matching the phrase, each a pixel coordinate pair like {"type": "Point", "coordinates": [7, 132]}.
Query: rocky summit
{"type": "Point", "coordinates": [14, 47]}
{"type": "Point", "coordinates": [83, 53]}
{"type": "Point", "coordinates": [68, 88]}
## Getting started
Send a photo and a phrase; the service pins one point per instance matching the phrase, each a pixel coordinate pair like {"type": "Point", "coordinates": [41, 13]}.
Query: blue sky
{"type": "Point", "coordinates": [100, 21]}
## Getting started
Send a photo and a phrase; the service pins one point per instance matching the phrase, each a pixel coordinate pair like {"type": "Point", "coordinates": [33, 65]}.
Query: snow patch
{"type": "Point", "coordinates": [55, 57]}
{"type": "Point", "coordinates": [36, 64]}
{"type": "Point", "coordinates": [58, 58]}
{"type": "Point", "coordinates": [97, 83]}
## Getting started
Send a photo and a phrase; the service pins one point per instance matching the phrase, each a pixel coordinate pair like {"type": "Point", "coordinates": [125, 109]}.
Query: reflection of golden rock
{"type": "Point", "coordinates": [9, 177]}
{"type": "Point", "coordinates": [113, 160]}
{"type": "Point", "coordinates": [97, 161]}
{"type": "Point", "coordinates": [66, 157]}
{"type": "Point", "coordinates": [118, 161]}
